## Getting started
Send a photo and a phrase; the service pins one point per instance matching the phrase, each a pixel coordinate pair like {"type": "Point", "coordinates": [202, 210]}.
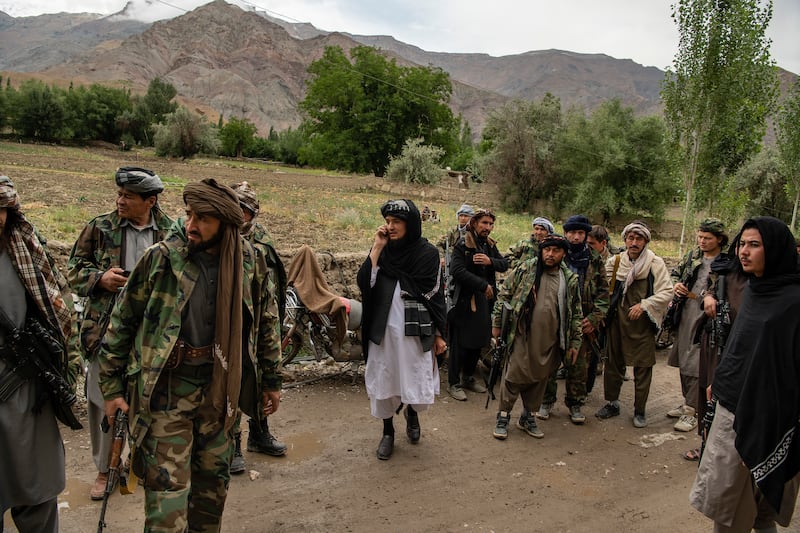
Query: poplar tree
{"type": "Point", "coordinates": [723, 86]}
{"type": "Point", "coordinates": [789, 146]}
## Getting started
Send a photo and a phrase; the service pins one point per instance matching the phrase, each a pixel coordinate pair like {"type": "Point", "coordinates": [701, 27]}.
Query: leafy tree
{"type": "Point", "coordinates": [518, 150]}
{"type": "Point", "coordinates": [417, 163]}
{"type": "Point", "coordinates": [721, 89]}
{"type": "Point", "coordinates": [789, 146]}
{"type": "Point", "coordinates": [159, 99]}
{"type": "Point", "coordinates": [760, 187]}
{"type": "Point", "coordinates": [39, 111]}
{"type": "Point", "coordinates": [360, 114]}
{"type": "Point", "coordinates": [613, 163]}
{"type": "Point", "coordinates": [184, 134]}
{"type": "Point", "coordinates": [236, 136]}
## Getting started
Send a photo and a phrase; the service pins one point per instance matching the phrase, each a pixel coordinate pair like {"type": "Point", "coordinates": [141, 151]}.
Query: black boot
{"type": "Point", "coordinates": [386, 446]}
{"type": "Point", "coordinates": [237, 464]}
{"type": "Point", "coordinates": [260, 440]}
{"type": "Point", "coordinates": [412, 425]}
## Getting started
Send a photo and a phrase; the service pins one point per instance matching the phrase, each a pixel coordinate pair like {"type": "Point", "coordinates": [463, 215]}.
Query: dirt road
{"type": "Point", "coordinates": [604, 476]}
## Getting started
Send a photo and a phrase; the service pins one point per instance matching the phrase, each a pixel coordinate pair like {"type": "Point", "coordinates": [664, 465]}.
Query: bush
{"type": "Point", "coordinates": [417, 163]}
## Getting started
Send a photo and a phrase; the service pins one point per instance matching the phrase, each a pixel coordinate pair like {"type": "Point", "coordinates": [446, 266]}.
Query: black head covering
{"type": "Point", "coordinates": [780, 253]}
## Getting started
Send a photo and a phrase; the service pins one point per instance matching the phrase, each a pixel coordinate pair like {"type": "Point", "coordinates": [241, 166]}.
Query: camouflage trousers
{"type": "Point", "coordinates": [575, 381]}
{"type": "Point", "coordinates": [186, 455]}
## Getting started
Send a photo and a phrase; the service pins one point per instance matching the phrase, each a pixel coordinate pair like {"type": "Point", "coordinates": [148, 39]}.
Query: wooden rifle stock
{"type": "Point", "coordinates": [115, 462]}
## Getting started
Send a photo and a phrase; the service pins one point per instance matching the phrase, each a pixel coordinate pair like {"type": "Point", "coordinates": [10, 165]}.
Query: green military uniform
{"type": "Point", "coordinates": [516, 291]}
{"type": "Point", "coordinates": [594, 306]}
{"type": "Point", "coordinates": [168, 416]}
{"type": "Point", "coordinates": [99, 247]}
{"type": "Point", "coordinates": [522, 251]}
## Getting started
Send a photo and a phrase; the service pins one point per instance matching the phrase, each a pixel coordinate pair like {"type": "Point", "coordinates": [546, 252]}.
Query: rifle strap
{"type": "Point", "coordinates": [613, 283]}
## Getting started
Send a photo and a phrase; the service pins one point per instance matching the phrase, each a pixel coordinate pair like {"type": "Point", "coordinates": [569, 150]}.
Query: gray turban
{"type": "Point", "coordinates": [139, 180]}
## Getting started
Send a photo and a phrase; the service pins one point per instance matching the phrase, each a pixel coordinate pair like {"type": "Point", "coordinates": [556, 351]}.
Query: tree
{"type": "Point", "coordinates": [184, 134]}
{"type": "Point", "coordinates": [236, 136]}
{"type": "Point", "coordinates": [760, 188]}
{"type": "Point", "coordinates": [518, 150]}
{"type": "Point", "coordinates": [159, 99]}
{"type": "Point", "coordinates": [39, 111]}
{"type": "Point", "coordinates": [613, 163]}
{"type": "Point", "coordinates": [718, 95]}
{"type": "Point", "coordinates": [417, 163]}
{"type": "Point", "coordinates": [789, 146]}
{"type": "Point", "coordinates": [360, 114]}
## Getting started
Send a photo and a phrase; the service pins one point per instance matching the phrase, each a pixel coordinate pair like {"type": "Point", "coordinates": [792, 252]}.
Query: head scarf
{"type": "Point", "coordinates": [29, 257]}
{"type": "Point", "coordinates": [138, 180]}
{"type": "Point", "coordinates": [211, 198]}
{"type": "Point", "coordinates": [541, 221]}
{"type": "Point", "coordinates": [578, 255]}
{"type": "Point", "coordinates": [247, 200]}
{"type": "Point", "coordinates": [465, 209]}
{"type": "Point", "coordinates": [640, 229]}
{"type": "Point", "coordinates": [780, 253]}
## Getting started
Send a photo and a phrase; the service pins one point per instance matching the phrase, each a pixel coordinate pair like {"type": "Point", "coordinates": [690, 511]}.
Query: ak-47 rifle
{"type": "Point", "coordinates": [498, 353]}
{"type": "Point", "coordinates": [721, 323]}
{"type": "Point", "coordinates": [594, 345]}
{"type": "Point", "coordinates": [115, 462]}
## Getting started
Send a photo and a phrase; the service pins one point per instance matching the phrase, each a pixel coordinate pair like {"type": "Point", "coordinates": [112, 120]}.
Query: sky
{"type": "Point", "coordinates": [641, 30]}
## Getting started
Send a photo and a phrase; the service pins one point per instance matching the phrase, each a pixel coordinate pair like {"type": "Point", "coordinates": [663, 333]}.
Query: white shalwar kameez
{"type": "Point", "coordinates": [398, 371]}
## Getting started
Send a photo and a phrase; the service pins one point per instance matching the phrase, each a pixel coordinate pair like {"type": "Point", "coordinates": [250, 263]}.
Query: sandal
{"type": "Point", "coordinates": [692, 455]}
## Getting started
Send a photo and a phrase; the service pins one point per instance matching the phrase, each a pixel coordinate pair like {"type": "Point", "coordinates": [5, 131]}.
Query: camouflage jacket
{"type": "Point", "coordinates": [146, 321]}
{"type": "Point", "coordinates": [594, 293]}
{"type": "Point", "coordinates": [448, 242]}
{"type": "Point", "coordinates": [686, 271]}
{"type": "Point", "coordinates": [515, 291]}
{"type": "Point", "coordinates": [99, 248]}
{"type": "Point", "coordinates": [522, 251]}
{"type": "Point", "coordinates": [259, 237]}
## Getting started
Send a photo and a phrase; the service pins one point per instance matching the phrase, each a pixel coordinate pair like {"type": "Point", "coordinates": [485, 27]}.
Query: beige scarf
{"type": "Point", "coordinates": [214, 199]}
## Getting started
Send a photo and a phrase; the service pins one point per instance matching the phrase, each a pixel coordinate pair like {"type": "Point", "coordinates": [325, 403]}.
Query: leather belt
{"type": "Point", "coordinates": [183, 351]}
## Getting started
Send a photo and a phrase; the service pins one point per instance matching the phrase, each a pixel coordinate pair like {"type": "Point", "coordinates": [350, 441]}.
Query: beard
{"type": "Point", "coordinates": [202, 246]}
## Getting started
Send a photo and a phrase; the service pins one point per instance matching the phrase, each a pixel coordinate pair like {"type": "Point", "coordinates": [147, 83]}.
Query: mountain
{"type": "Point", "coordinates": [225, 60]}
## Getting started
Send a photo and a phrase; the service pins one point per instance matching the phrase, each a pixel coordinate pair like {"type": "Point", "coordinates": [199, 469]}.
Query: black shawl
{"type": "Point", "coordinates": [766, 338]}
{"type": "Point", "coordinates": [412, 261]}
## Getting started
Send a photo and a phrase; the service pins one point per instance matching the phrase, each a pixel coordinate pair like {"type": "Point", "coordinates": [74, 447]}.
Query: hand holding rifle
{"type": "Point", "coordinates": [499, 336]}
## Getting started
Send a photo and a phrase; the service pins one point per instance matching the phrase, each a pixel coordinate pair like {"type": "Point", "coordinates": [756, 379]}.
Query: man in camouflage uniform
{"type": "Point", "coordinates": [528, 248]}
{"type": "Point", "coordinates": [598, 240]}
{"type": "Point", "coordinates": [587, 264]}
{"type": "Point", "coordinates": [259, 438]}
{"type": "Point", "coordinates": [690, 279]}
{"type": "Point", "coordinates": [545, 328]}
{"type": "Point", "coordinates": [194, 333]}
{"type": "Point", "coordinates": [107, 248]}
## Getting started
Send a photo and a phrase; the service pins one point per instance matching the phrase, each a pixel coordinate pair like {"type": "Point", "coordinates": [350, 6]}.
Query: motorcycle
{"type": "Point", "coordinates": [312, 325]}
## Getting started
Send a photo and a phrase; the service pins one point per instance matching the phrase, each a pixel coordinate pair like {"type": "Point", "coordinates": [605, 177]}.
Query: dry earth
{"type": "Point", "coordinates": [605, 476]}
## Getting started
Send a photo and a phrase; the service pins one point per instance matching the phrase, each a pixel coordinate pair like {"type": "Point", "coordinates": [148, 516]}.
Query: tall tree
{"type": "Point", "coordinates": [518, 147]}
{"type": "Point", "coordinates": [236, 136]}
{"type": "Point", "coordinates": [789, 145]}
{"type": "Point", "coordinates": [720, 92]}
{"type": "Point", "coordinates": [613, 163]}
{"type": "Point", "coordinates": [360, 114]}
{"type": "Point", "coordinates": [39, 111]}
{"type": "Point", "coordinates": [184, 134]}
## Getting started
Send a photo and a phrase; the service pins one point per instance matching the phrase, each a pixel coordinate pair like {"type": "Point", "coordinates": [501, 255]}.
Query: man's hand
{"type": "Point", "coordinates": [111, 407]}
{"type": "Point", "coordinates": [710, 305]}
{"type": "Point", "coordinates": [439, 345]}
{"type": "Point", "coordinates": [481, 259]}
{"type": "Point", "coordinates": [489, 292]}
{"type": "Point", "coordinates": [635, 312]}
{"type": "Point", "coordinates": [271, 400]}
{"type": "Point", "coordinates": [586, 327]}
{"type": "Point", "coordinates": [681, 289]}
{"type": "Point", "coordinates": [708, 393]}
{"type": "Point", "coordinates": [495, 333]}
{"type": "Point", "coordinates": [113, 279]}
{"type": "Point", "coordinates": [572, 355]}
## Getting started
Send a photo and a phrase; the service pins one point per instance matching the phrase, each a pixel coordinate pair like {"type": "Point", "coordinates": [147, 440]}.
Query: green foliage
{"type": "Point", "coordinates": [789, 146]}
{"type": "Point", "coordinates": [613, 163]}
{"type": "Point", "coordinates": [184, 134]}
{"type": "Point", "coordinates": [722, 88]}
{"type": "Point", "coordinates": [462, 155]}
{"type": "Point", "coordinates": [762, 184]}
{"type": "Point", "coordinates": [360, 114]}
{"type": "Point", "coordinates": [518, 150]}
{"type": "Point", "coordinates": [236, 136]}
{"type": "Point", "coordinates": [94, 112]}
{"type": "Point", "coordinates": [417, 163]}
{"type": "Point", "coordinates": [38, 111]}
